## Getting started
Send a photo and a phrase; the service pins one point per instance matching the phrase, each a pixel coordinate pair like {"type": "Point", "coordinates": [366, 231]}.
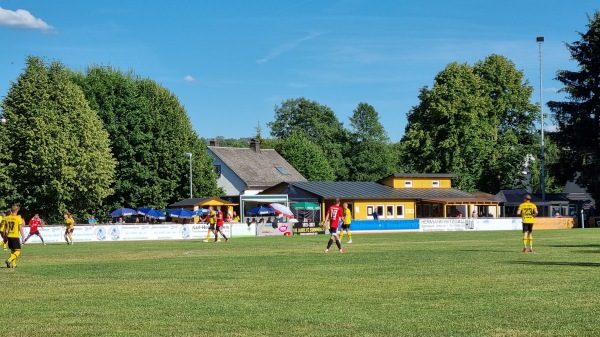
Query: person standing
{"type": "Point", "coordinates": [2, 223]}
{"type": "Point", "coordinates": [347, 220]}
{"type": "Point", "coordinates": [220, 223]}
{"type": "Point", "coordinates": [34, 223]}
{"type": "Point", "coordinates": [334, 214]}
{"type": "Point", "coordinates": [12, 229]}
{"type": "Point", "coordinates": [92, 220]}
{"type": "Point", "coordinates": [528, 211]}
{"type": "Point", "coordinates": [69, 228]}
{"type": "Point", "coordinates": [211, 218]}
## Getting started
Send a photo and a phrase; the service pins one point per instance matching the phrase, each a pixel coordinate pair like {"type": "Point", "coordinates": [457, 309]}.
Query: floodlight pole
{"type": "Point", "coordinates": [189, 155]}
{"type": "Point", "coordinates": [539, 40]}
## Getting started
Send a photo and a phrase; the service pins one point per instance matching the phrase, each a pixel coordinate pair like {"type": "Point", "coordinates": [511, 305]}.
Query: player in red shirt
{"type": "Point", "coordinates": [34, 223]}
{"type": "Point", "coordinates": [220, 224]}
{"type": "Point", "coordinates": [335, 213]}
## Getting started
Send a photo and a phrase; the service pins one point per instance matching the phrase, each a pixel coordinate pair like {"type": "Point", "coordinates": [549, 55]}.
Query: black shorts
{"type": "Point", "coordinates": [34, 233]}
{"type": "Point", "coordinates": [332, 230]}
{"type": "Point", "coordinates": [69, 230]}
{"type": "Point", "coordinates": [527, 227]}
{"type": "Point", "coordinates": [345, 227]}
{"type": "Point", "coordinates": [211, 226]}
{"type": "Point", "coordinates": [14, 243]}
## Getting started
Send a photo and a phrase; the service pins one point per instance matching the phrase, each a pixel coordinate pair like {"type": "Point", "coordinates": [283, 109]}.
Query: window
{"type": "Point", "coordinates": [419, 210]}
{"type": "Point", "coordinates": [408, 183]}
{"type": "Point", "coordinates": [380, 211]}
{"type": "Point", "coordinates": [217, 169]}
{"type": "Point", "coordinates": [435, 184]}
{"type": "Point", "coordinates": [399, 211]}
{"type": "Point", "coordinates": [390, 211]}
{"type": "Point", "coordinates": [281, 169]}
{"type": "Point", "coordinates": [370, 210]}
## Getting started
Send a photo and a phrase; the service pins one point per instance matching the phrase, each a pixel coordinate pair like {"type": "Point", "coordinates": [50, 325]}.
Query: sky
{"type": "Point", "coordinates": [231, 62]}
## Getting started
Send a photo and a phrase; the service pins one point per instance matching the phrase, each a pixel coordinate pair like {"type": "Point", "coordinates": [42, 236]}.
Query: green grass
{"type": "Point", "coordinates": [407, 284]}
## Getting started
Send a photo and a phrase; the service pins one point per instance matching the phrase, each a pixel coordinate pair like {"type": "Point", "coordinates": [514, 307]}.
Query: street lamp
{"type": "Point", "coordinates": [189, 155]}
{"type": "Point", "coordinates": [539, 40]}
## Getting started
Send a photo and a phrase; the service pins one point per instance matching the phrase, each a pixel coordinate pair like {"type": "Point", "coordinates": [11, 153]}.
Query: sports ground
{"type": "Point", "coordinates": [405, 284]}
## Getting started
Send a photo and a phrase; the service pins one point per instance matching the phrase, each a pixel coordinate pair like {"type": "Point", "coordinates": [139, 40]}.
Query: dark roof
{"type": "Point", "coordinates": [257, 168]}
{"type": "Point", "coordinates": [373, 190]}
{"type": "Point", "coordinates": [583, 199]}
{"type": "Point", "coordinates": [515, 197]}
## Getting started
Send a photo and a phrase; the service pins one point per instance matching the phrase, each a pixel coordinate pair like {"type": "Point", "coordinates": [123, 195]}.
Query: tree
{"type": "Point", "coordinates": [59, 154]}
{"type": "Point", "coordinates": [150, 133]}
{"type": "Point", "coordinates": [318, 123]}
{"type": "Point", "coordinates": [306, 157]}
{"type": "Point", "coordinates": [369, 152]}
{"type": "Point", "coordinates": [475, 122]}
{"type": "Point", "coordinates": [578, 117]}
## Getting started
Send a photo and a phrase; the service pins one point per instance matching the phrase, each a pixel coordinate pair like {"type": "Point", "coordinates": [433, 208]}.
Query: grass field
{"type": "Point", "coordinates": [407, 284]}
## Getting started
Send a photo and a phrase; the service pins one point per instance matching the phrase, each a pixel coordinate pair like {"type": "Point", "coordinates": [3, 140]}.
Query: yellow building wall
{"type": "Point", "coordinates": [416, 182]}
{"type": "Point", "coordinates": [359, 209]}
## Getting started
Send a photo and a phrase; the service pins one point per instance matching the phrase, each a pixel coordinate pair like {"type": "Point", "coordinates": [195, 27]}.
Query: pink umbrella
{"type": "Point", "coordinates": [282, 210]}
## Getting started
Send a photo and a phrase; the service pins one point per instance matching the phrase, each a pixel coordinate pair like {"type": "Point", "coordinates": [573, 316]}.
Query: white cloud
{"type": "Point", "coordinates": [22, 19]}
{"type": "Point", "coordinates": [189, 78]}
{"type": "Point", "coordinates": [285, 47]}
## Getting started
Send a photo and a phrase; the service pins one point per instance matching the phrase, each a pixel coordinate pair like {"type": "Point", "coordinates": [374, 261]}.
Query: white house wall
{"type": "Point", "coordinates": [229, 181]}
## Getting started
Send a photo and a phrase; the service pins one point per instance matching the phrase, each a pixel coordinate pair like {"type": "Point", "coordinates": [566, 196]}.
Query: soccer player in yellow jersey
{"type": "Point", "coordinates": [69, 227]}
{"type": "Point", "coordinates": [528, 211]}
{"type": "Point", "coordinates": [211, 218]}
{"type": "Point", "coordinates": [2, 230]}
{"type": "Point", "coordinates": [13, 230]}
{"type": "Point", "coordinates": [346, 223]}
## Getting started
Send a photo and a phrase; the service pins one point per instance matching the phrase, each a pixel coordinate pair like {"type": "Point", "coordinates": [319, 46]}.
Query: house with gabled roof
{"type": "Point", "coordinates": [247, 171]}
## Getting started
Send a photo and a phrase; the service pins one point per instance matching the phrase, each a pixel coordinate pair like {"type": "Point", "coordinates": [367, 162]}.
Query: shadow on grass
{"type": "Point", "coordinates": [483, 250]}
{"type": "Point", "coordinates": [575, 246]}
{"type": "Point", "coordinates": [558, 263]}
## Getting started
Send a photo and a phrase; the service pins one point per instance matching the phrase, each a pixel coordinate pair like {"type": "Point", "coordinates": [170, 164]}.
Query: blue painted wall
{"type": "Point", "coordinates": [378, 225]}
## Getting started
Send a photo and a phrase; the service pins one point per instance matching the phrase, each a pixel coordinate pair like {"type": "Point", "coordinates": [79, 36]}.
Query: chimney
{"type": "Point", "coordinates": [213, 142]}
{"type": "Point", "coordinates": [255, 145]}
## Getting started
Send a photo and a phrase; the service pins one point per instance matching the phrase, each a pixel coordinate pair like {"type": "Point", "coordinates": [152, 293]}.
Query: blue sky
{"type": "Point", "coordinates": [230, 62]}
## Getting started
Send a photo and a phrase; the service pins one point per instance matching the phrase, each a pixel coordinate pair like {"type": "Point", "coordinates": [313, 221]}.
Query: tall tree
{"type": "Point", "coordinates": [306, 157]}
{"type": "Point", "coordinates": [369, 153]}
{"type": "Point", "coordinates": [511, 123]}
{"type": "Point", "coordinates": [475, 122]}
{"type": "Point", "coordinates": [150, 133]}
{"type": "Point", "coordinates": [59, 154]}
{"type": "Point", "coordinates": [578, 117]}
{"type": "Point", "coordinates": [319, 124]}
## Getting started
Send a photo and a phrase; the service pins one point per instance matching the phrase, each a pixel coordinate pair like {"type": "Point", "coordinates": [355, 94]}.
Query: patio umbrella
{"type": "Point", "coordinates": [261, 210]}
{"type": "Point", "coordinates": [143, 210]}
{"type": "Point", "coordinates": [155, 214]}
{"type": "Point", "coordinates": [201, 211]}
{"type": "Point", "coordinates": [123, 212]}
{"type": "Point", "coordinates": [306, 205]}
{"type": "Point", "coordinates": [282, 210]}
{"type": "Point", "coordinates": [181, 213]}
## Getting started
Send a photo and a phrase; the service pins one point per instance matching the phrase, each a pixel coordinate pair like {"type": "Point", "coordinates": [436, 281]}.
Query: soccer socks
{"type": "Point", "coordinates": [341, 235]}
{"type": "Point", "coordinates": [71, 237]}
{"type": "Point", "coordinates": [530, 240]}
{"type": "Point", "coordinates": [13, 257]}
{"type": "Point", "coordinates": [208, 235]}
{"type": "Point", "coordinates": [329, 243]}
{"type": "Point", "coordinates": [524, 240]}
{"type": "Point", "coordinates": [349, 236]}
{"type": "Point", "coordinates": [338, 244]}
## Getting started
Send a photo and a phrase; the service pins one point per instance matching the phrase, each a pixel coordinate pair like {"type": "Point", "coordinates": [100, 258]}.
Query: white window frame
{"type": "Point", "coordinates": [370, 209]}
{"type": "Point", "coordinates": [435, 184]}
{"type": "Point", "coordinates": [401, 215]}
{"type": "Point", "coordinates": [408, 183]}
{"type": "Point", "coordinates": [387, 208]}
